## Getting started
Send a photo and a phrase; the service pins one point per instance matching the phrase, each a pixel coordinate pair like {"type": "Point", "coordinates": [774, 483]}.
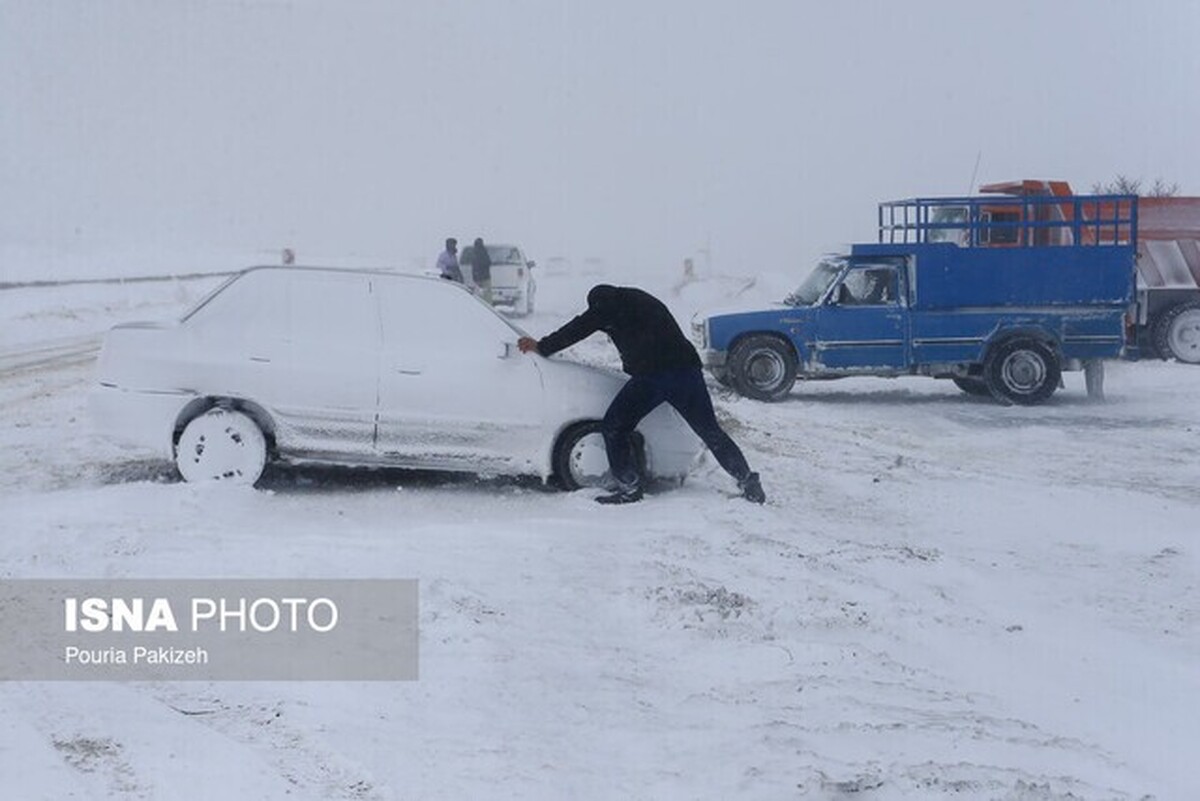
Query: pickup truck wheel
{"type": "Point", "coordinates": [1022, 371]}
{"type": "Point", "coordinates": [722, 376]}
{"type": "Point", "coordinates": [221, 445]}
{"type": "Point", "coordinates": [972, 386]}
{"type": "Point", "coordinates": [1177, 333]}
{"type": "Point", "coordinates": [581, 460]}
{"type": "Point", "coordinates": [763, 368]}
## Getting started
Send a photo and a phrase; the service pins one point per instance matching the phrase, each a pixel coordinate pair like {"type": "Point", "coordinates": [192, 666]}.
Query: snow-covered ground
{"type": "Point", "coordinates": [943, 598]}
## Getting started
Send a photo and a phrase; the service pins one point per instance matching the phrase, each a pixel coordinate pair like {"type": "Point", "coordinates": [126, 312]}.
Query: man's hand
{"type": "Point", "coordinates": [527, 344]}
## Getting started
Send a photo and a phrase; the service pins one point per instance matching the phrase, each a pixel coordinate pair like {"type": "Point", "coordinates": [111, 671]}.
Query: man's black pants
{"type": "Point", "coordinates": [683, 389]}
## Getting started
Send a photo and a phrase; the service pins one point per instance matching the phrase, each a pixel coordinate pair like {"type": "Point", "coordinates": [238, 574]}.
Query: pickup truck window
{"type": "Point", "coordinates": [868, 286]}
{"type": "Point", "coordinates": [949, 224]}
{"type": "Point", "coordinates": [813, 288]}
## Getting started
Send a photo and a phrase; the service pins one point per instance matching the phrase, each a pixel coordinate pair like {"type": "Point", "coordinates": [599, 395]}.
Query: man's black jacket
{"type": "Point", "coordinates": [645, 333]}
{"type": "Point", "coordinates": [481, 263]}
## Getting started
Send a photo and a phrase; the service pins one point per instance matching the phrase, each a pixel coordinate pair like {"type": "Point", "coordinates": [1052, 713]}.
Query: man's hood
{"type": "Point", "coordinates": [602, 297]}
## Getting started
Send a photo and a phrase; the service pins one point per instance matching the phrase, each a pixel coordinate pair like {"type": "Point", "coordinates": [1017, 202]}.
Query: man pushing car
{"type": "Point", "coordinates": [663, 367]}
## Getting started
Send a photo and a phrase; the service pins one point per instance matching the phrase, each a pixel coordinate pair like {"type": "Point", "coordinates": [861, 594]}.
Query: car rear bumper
{"type": "Point", "coordinates": [137, 419]}
{"type": "Point", "coordinates": [504, 294]}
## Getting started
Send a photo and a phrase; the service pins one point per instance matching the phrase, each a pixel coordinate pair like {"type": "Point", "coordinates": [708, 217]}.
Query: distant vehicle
{"type": "Point", "coordinates": [357, 367]}
{"type": "Point", "coordinates": [1001, 295]}
{"type": "Point", "coordinates": [558, 265]}
{"type": "Point", "coordinates": [513, 284]}
{"type": "Point", "coordinates": [594, 266]}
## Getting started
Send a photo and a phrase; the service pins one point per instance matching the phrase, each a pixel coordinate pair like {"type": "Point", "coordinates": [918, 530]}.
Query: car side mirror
{"type": "Point", "coordinates": [531, 264]}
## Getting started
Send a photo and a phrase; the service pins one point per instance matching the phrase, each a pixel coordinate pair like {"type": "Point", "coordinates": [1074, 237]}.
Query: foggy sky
{"type": "Point", "coordinates": [641, 132]}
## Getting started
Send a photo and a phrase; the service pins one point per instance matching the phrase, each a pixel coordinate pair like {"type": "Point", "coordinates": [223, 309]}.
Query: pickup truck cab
{"type": "Point", "coordinates": [513, 284]}
{"type": "Point", "coordinates": [936, 297]}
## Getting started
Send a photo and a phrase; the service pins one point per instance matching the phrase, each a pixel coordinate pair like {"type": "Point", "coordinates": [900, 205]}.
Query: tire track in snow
{"type": "Point", "coordinates": [50, 354]}
{"type": "Point", "coordinates": [129, 744]}
{"type": "Point", "coordinates": [263, 727]}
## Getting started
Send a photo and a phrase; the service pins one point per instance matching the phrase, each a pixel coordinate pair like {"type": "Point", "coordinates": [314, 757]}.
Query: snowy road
{"type": "Point", "coordinates": [944, 598]}
{"type": "Point", "coordinates": [64, 352]}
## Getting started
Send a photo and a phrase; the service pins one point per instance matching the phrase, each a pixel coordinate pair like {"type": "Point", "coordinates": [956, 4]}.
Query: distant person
{"type": "Point", "coordinates": [663, 366]}
{"type": "Point", "coordinates": [447, 262]}
{"type": "Point", "coordinates": [481, 269]}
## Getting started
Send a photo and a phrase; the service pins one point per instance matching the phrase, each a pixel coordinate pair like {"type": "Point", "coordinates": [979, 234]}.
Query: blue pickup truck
{"type": "Point", "coordinates": [1000, 295]}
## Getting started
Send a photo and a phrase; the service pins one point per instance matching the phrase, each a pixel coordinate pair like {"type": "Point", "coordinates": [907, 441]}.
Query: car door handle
{"type": "Point", "coordinates": [407, 371]}
{"type": "Point", "coordinates": [260, 359]}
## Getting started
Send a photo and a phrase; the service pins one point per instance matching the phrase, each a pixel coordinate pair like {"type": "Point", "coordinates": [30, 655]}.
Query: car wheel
{"type": "Point", "coordinates": [581, 459]}
{"type": "Point", "coordinates": [762, 367]}
{"type": "Point", "coordinates": [1022, 371]}
{"type": "Point", "coordinates": [972, 386]}
{"type": "Point", "coordinates": [221, 445]}
{"type": "Point", "coordinates": [1177, 333]}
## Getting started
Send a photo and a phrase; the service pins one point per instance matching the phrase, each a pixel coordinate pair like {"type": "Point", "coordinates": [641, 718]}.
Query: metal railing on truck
{"type": "Point", "coordinates": [1025, 221]}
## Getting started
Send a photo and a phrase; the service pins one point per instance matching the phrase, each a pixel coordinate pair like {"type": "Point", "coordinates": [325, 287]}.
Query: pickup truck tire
{"type": "Point", "coordinates": [1022, 371]}
{"type": "Point", "coordinates": [1177, 333]}
{"type": "Point", "coordinates": [972, 386]}
{"type": "Point", "coordinates": [762, 367]}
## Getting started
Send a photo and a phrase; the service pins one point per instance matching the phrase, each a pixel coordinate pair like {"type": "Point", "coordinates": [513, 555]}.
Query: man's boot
{"type": "Point", "coordinates": [752, 489]}
{"type": "Point", "coordinates": [622, 495]}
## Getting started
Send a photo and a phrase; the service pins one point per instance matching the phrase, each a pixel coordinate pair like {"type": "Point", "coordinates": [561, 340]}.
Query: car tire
{"type": "Point", "coordinates": [221, 445]}
{"type": "Point", "coordinates": [1177, 333]}
{"type": "Point", "coordinates": [1022, 371]}
{"type": "Point", "coordinates": [762, 367]}
{"type": "Point", "coordinates": [972, 386]}
{"type": "Point", "coordinates": [581, 461]}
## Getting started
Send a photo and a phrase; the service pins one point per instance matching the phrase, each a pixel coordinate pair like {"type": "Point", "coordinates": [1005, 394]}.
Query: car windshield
{"type": "Point", "coordinates": [503, 254]}
{"type": "Point", "coordinates": [499, 254]}
{"type": "Point", "coordinates": [817, 282]}
{"type": "Point", "coordinates": [204, 301]}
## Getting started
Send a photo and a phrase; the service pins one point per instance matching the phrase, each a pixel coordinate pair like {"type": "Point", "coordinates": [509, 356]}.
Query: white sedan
{"type": "Point", "coordinates": [356, 367]}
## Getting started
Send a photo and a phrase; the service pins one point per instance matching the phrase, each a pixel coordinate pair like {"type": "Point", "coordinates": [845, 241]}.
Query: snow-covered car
{"type": "Point", "coordinates": [513, 284]}
{"type": "Point", "coordinates": [359, 367]}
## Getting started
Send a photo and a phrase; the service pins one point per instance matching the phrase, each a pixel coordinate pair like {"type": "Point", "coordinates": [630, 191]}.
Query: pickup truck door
{"type": "Point", "coordinates": [864, 322]}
